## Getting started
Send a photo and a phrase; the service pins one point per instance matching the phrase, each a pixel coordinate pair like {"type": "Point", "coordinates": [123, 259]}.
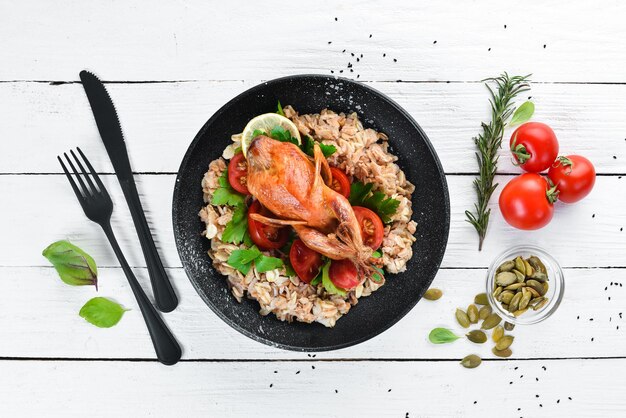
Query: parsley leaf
{"type": "Point", "coordinates": [379, 275]}
{"type": "Point", "coordinates": [328, 284]}
{"type": "Point", "coordinates": [308, 143]}
{"type": "Point", "coordinates": [362, 195]}
{"type": "Point", "coordinates": [258, 132]}
{"type": "Point", "coordinates": [283, 135]}
{"type": "Point", "coordinates": [317, 280]}
{"type": "Point", "coordinates": [264, 263]}
{"type": "Point", "coordinates": [237, 229]}
{"type": "Point", "coordinates": [279, 109]}
{"type": "Point", "coordinates": [242, 259]}
{"type": "Point", "coordinates": [225, 194]}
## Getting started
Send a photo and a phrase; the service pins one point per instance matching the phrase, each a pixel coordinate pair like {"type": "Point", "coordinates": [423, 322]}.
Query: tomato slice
{"type": "Point", "coordinates": [372, 229]}
{"type": "Point", "coordinates": [343, 274]}
{"type": "Point", "coordinates": [265, 237]}
{"type": "Point", "coordinates": [238, 173]}
{"type": "Point", "coordinates": [305, 262]}
{"type": "Point", "coordinates": [340, 182]}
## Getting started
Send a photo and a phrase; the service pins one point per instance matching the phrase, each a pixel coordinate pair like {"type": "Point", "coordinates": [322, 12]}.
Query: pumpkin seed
{"type": "Point", "coordinates": [519, 312]}
{"type": "Point", "coordinates": [476, 336]}
{"type": "Point", "coordinates": [484, 312]}
{"type": "Point", "coordinates": [470, 362]}
{"type": "Point", "coordinates": [535, 301]}
{"type": "Point", "coordinates": [504, 342]}
{"type": "Point", "coordinates": [537, 264]}
{"type": "Point", "coordinates": [433, 294]}
{"type": "Point", "coordinates": [535, 285]}
{"type": "Point", "coordinates": [541, 277]}
{"type": "Point", "coordinates": [506, 297]}
{"type": "Point", "coordinates": [497, 333]}
{"type": "Point", "coordinates": [502, 353]}
{"type": "Point", "coordinates": [497, 292]}
{"type": "Point", "coordinates": [491, 321]}
{"type": "Point", "coordinates": [529, 269]}
{"type": "Point", "coordinates": [515, 286]}
{"type": "Point", "coordinates": [472, 313]}
{"type": "Point", "coordinates": [533, 292]}
{"type": "Point", "coordinates": [506, 266]}
{"type": "Point", "coordinates": [519, 265]}
{"type": "Point", "coordinates": [540, 304]}
{"type": "Point", "coordinates": [481, 299]}
{"type": "Point", "coordinates": [523, 303]}
{"type": "Point", "coordinates": [520, 276]}
{"type": "Point", "coordinates": [462, 318]}
{"type": "Point", "coordinates": [546, 286]}
{"type": "Point", "coordinates": [514, 305]}
{"type": "Point", "coordinates": [505, 306]}
{"type": "Point", "coordinates": [505, 278]}
{"type": "Point", "coordinates": [509, 326]}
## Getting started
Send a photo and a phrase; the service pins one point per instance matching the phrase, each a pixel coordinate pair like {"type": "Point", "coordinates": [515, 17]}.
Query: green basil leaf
{"type": "Point", "coordinates": [442, 336]}
{"type": "Point", "coordinates": [264, 263]}
{"type": "Point", "coordinates": [328, 284]}
{"type": "Point", "coordinates": [75, 267]}
{"type": "Point", "coordinates": [102, 312]}
{"type": "Point", "coordinates": [522, 113]}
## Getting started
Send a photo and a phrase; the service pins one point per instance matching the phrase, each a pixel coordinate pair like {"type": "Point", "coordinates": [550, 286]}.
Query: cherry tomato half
{"type": "Point", "coordinates": [340, 182]}
{"type": "Point", "coordinates": [265, 237]}
{"type": "Point", "coordinates": [534, 146]}
{"type": "Point", "coordinates": [372, 229]}
{"type": "Point", "coordinates": [238, 173]}
{"type": "Point", "coordinates": [526, 202]}
{"type": "Point", "coordinates": [305, 262]}
{"type": "Point", "coordinates": [573, 176]}
{"type": "Point", "coordinates": [343, 274]}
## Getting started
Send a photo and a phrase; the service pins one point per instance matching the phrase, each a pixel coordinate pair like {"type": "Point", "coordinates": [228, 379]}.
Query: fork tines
{"type": "Point", "coordinates": [87, 190]}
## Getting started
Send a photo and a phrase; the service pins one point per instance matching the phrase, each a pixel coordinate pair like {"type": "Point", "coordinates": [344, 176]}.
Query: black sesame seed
{"type": "Point", "coordinates": [621, 229]}
{"type": "Point", "coordinates": [540, 405]}
{"type": "Point", "coordinates": [271, 384]}
{"type": "Point", "coordinates": [335, 19]}
{"type": "Point", "coordinates": [361, 55]}
{"type": "Point", "coordinates": [384, 55]}
{"type": "Point", "coordinates": [358, 59]}
{"type": "Point", "coordinates": [358, 75]}
{"type": "Point", "coordinates": [298, 372]}
{"type": "Point", "coordinates": [591, 319]}
{"type": "Point", "coordinates": [489, 49]}
{"type": "Point", "coordinates": [515, 368]}
{"type": "Point", "coordinates": [529, 97]}
{"type": "Point", "coordinates": [314, 355]}
{"type": "Point", "coordinates": [434, 42]}
{"type": "Point", "coordinates": [351, 70]}
{"type": "Point", "coordinates": [537, 379]}
{"type": "Point", "coordinates": [614, 157]}
{"type": "Point", "coordinates": [340, 71]}
{"type": "Point", "coordinates": [569, 397]}
{"type": "Point", "coordinates": [395, 60]}
{"type": "Point", "coordinates": [519, 409]}
{"type": "Point", "coordinates": [352, 53]}
{"type": "Point", "coordinates": [521, 376]}
{"type": "Point", "coordinates": [370, 35]}
{"type": "Point", "coordinates": [504, 26]}
{"type": "Point", "coordinates": [536, 396]}
{"type": "Point", "coordinates": [475, 402]}
{"type": "Point", "coordinates": [510, 383]}
{"type": "Point", "coordinates": [543, 367]}
{"type": "Point", "coordinates": [591, 338]}
{"type": "Point", "coordinates": [389, 391]}
{"type": "Point", "coordinates": [558, 401]}
{"type": "Point", "coordinates": [313, 367]}
{"type": "Point", "coordinates": [343, 52]}
{"type": "Point", "coordinates": [332, 72]}
{"type": "Point", "coordinates": [593, 216]}
{"type": "Point", "coordinates": [330, 42]}
{"type": "Point", "coordinates": [578, 317]}
{"type": "Point", "coordinates": [336, 391]}
{"type": "Point", "coordinates": [544, 46]}
{"type": "Point", "coordinates": [275, 371]}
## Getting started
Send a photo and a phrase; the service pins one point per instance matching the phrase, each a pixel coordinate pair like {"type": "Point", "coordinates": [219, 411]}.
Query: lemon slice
{"type": "Point", "coordinates": [266, 123]}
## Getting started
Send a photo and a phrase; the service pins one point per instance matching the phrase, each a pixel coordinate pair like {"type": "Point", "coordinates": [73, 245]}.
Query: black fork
{"type": "Point", "coordinates": [98, 207]}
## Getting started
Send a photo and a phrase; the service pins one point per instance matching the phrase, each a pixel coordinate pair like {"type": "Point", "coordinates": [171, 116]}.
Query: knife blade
{"type": "Point", "coordinates": [111, 133]}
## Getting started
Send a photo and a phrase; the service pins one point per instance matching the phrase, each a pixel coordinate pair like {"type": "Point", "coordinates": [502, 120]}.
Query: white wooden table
{"type": "Point", "coordinates": [169, 66]}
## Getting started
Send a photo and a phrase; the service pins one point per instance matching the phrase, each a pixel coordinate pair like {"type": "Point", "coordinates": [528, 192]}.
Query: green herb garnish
{"type": "Point", "coordinates": [75, 267]}
{"type": "Point", "coordinates": [488, 143]}
{"type": "Point", "coordinates": [308, 145]}
{"type": "Point", "coordinates": [328, 284]}
{"type": "Point", "coordinates": [225, 194]}
{"type": "Point", "coordinates": [236, 229]}
{"type": "Point", "coordinates": [522, 113]}
{"type": "Point", "coordinates": [279, 109]}
{"type": "Point", "coordinates": [102, 312]}
{"type": "Point", "coordinates": [442, 336]}
{"type": "Point", "coordinates": [361, 195]}
{"type": "Point", "coordinates": [243, 259]}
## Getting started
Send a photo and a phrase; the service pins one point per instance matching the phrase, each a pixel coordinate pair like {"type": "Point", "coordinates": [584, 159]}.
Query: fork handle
{"type": "Point", "coordinates": [167, 349]}
{"type": "Point", "coordinates": [164, 295]}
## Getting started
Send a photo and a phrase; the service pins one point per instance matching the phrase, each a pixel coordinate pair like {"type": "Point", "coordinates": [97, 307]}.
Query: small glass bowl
{"type": "Point", "coordinates": [555, 291]}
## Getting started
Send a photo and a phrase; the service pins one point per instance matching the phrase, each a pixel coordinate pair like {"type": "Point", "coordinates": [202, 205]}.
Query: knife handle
{"type": "Point", "coordinates": [164, 295]}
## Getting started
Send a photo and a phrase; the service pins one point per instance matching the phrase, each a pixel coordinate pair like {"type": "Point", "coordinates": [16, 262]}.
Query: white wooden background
{"type": "Point", "coordinates": [169, 66]}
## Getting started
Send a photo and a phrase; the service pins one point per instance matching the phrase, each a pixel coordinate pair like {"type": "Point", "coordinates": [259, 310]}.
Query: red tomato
{"type": "Point", "coordinates": [372, 229]}
{"type": "Point", "coordinates": [343, 274]}
{"type": "Point", "coordinates": [340, 182]}
{"type": "Point", "coordinates": [534, 146]}
{"type": "Point", "coordinates": [265, 237]}
{"type": "Point", "coordinates": [526, 202]}
{"type": "Point", "coordinates": [573, 176]}
{"type": "Point", "coordinates": [238, 173]}
{"type": "Point", "coordinates": [305, 261]}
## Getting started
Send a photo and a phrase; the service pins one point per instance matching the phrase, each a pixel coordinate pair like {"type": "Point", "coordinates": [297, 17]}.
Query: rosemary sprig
{"type": "Point", "coordinates": [488, 142]}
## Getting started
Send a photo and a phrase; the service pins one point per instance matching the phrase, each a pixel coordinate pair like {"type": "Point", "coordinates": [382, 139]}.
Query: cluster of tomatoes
{"type": "Point", "coordinates": [305, 261]}
{"type": "Point", "coordinates": [527, 201]}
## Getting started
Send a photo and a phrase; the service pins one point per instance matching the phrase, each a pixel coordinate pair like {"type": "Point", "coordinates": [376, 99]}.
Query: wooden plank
{"type": "Point", "coordinates": [160, 120]}
{"type": "Point", "coordinates": [43, 209]}
{"type": "Point", "coordinates": [296, 389]}
{"type": "Point", "coordinates": [43, 309]}
{"type": "Point", "coordinates": [207, 41]}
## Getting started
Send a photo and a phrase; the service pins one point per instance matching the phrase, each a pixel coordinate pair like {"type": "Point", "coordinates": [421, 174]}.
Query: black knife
{"type": "Point", "coordinates": [111, 133]}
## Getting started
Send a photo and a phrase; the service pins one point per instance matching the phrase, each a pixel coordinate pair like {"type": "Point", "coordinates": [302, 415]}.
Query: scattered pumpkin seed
{"type": "Point", "coordinates": [505, 278]}
{"type": "Point", "coordinates": [470, 362]}
{"type": "Point", "coordinates": [506, 266]}
{"type": "Point", "coordinates": [491, 321]}
{"type": "Point", "coordinates": [462, 318]}
{"type": "Point", "coordinates": [504, 342]}
{"type": "Point", "coordinates": [502, 353]}
{"type": "Point", "coordinates": [509, 326]}
{"type": "Point", "coordinates": [433, 294]}
{"type": "Point", "coordinates": [497, 333]}
{"type": "Point", "coordinates": [472, 313]}
{"type": "Point", "coordinates": [476, 336]}
{"type": "Point", "coordinates": [484, 312]}
{"type": "Point", "coordinates": [481, 299]}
